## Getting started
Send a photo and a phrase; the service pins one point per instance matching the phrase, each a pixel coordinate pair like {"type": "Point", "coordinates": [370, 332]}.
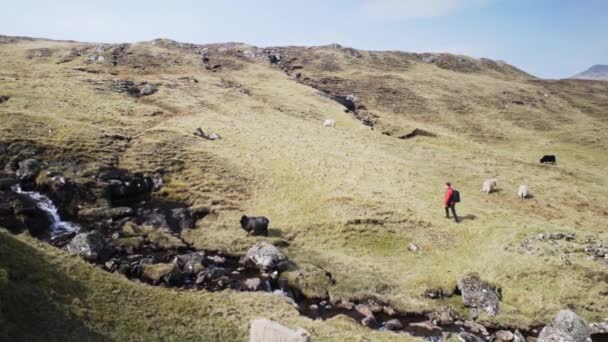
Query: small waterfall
{"type": "Point", "coordinates": [58, 227]}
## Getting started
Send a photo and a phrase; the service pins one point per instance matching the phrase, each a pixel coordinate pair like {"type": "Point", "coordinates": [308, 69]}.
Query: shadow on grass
{"type": "Point", "coordinates": [38, 301]}
{"type": "Point", "coordinates": [470, 217]}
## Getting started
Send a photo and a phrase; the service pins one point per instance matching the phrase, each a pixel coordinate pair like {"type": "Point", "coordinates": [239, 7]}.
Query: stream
{"type": "Point", "coordinates": [222, 272]}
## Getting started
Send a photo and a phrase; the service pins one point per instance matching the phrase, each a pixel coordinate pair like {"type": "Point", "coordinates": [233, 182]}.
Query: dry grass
{"type": "Point", "coordinates": [276, 159]}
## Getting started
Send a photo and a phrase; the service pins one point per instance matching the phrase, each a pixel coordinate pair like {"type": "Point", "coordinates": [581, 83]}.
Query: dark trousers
{"type": "Point", "coordinates": [453, 208]}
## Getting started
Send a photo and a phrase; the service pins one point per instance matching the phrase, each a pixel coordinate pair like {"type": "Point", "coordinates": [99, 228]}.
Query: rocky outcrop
{"type": "Point", "coordinates": [266, 257]}
{"type": "Point", "coordinates": [29, 169]}
{"type": "Point", "coordinates": [90, 246]}
{"type": "Point", "coordinates": [478, 294]}
{"type": "Point", "coordinates": [566, 326]}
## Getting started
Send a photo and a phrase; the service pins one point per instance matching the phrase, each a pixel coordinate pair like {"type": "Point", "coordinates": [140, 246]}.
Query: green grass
{"type": "Point", "coordinates": [276, 159]}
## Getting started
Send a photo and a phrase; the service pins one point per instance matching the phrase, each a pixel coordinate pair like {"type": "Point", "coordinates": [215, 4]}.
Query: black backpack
{"type": "Point", "coordinates": [456, 196]}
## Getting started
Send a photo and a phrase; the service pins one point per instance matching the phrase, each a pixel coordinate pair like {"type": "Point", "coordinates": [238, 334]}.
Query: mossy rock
{"type": "Point", "coordinates": [155, 272]}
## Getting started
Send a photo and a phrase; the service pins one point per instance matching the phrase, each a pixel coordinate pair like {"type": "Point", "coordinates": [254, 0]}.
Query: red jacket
{"type": "Point", "coordinates": [448, 197]}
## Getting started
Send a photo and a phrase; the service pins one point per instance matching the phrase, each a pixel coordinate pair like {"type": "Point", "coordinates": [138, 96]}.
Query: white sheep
{"type": "Point", "coordinates": [489, 185]}
{"type": "Point", "coordinates": [523, 191]}
{"type": "Point", "coordinates": [214, 136]}
{"type": "Point", "coordinates": [264, 330]}
{"type": "Point", "coordinates": [329, 123]}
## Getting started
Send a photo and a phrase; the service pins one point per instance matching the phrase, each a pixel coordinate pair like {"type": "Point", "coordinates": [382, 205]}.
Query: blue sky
{"type": "Point", "coordinates": [548, 38]}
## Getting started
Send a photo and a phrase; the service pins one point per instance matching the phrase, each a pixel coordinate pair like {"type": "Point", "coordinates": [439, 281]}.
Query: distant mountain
{"type": "Point", "coordinates": [597, 72]}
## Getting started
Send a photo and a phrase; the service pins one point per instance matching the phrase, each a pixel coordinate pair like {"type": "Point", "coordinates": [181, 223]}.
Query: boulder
{"type": "Point", "coordinates": [479, 294]}
{"type": "Point", "coordinates": [266, 257]}
{"type": "Point", "coordinates": [566, 326]}
{"type": "Point", "coordinates": [29, 169]}
{"type": "Point", "coordinates": [90, 246]}
{"type": "Point", "coordinates": [147, 89]}
{"type": "Point", "coordinates": [393, 325]}
{"type": "Point", "coordinates": [504, 336]}
{"type": "Point", "coordinates": [364, 310]}
{"type": "Point", "coordinates": [468, 337]}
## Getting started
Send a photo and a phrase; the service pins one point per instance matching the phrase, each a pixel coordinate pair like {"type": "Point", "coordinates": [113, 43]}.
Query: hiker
{"type": "Point", "coordinates": [451, 198]}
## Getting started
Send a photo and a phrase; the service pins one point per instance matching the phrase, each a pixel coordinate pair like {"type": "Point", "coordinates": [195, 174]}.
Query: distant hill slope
{"type": "Point", "coordinates": [597, 72]}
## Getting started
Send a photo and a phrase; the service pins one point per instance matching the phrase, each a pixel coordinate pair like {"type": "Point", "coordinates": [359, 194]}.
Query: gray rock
{"type": "Point", "coordinates": [478, 294]}
{"type": "Point", "coordinates": [364, 310]}
{"type": "Point", "coordinates": [369, 322]}
{"type": "Point", "coordinates": [147, 89]}
{"type": "Point", "coordinates": [252, 284]}
{"type": "Point", "coordinates": [566, 326]}
{"type": "Point", "coordinates": [504, 336]}
{"type": "Point", "coordinates": [467, 337]}
{"type": "Point", "coordinates": [266, 257]}
{"type": "Point", "coordinates": [28, 169]}
{"type": "Point", "coordinates": [90, 246]}
{"type": "Point", "coordinates": [393, 325]}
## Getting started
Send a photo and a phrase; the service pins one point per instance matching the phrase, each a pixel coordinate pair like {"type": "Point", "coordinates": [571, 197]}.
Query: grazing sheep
{"type": "Point", "coordinates": [329, 123]}
{"type": "Point", "coordinates": [523, 191]}
{"type": "Point", "coordinates": [548, 159]}
{"type": "Point", "coordinates": [489, 185]}
{"type": "Point", "coordinates": [264, 330]}
{"type": "Point", "coordinates": [214, 136]}
{"type": "Point", "coordinates": [255, 225]}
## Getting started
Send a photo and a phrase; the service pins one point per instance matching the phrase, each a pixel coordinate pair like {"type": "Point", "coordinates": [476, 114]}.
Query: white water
{"type": "Point", "coordinates": [58, 227]}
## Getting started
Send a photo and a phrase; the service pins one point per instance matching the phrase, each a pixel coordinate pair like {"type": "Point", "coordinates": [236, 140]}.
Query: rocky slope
{"type": "Point", "coordinates": [115, 135]}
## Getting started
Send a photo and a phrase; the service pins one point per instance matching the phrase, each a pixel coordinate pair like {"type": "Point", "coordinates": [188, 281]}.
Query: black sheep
{"type": "Point", "coordinates": [255, 225]}
{"type": "Point", "coordinates": [548, 159]}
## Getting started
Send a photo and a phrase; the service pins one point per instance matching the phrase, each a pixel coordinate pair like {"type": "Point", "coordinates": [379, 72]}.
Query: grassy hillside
{"type": "Point", "coordinates": [348, 200]}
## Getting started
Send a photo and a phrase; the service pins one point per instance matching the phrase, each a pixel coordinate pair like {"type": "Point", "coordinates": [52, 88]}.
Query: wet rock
{"type": "Point", "coordinates": [518, 337]}
{"type": "Point", "coordinates": [266, 257]}
{"type": "Point", "coordinates": [252, 284]}
{"type": "Point", "coordinates": [478, 294]}
{"type": "Point", "coordinates": [19, 213]}
{"type": "Point", "coordinates": [7, 183]}
{"type": "Point", "coordinates": [393, 325]}
{"type": "Point", "coordinates": [369, 322]}
{"type": "Point", "coordinates": [90, 246]}
{"type": "Point", "coordinates": [425, 329]}
{"type": "Point", "coordinates": [468, 337]}
{"type": "Point", "coordinates": [504, 336]}
{"type": "Point", "coordinates": [29, 169]}
{"type": "Point", "coordinates": [566, 326]}
{"type": "Point", "coordinates": [191, 263]}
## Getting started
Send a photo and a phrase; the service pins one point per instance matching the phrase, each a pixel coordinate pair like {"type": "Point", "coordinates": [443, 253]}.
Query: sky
{"type": "Point", "coordinates": [547, 38]}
